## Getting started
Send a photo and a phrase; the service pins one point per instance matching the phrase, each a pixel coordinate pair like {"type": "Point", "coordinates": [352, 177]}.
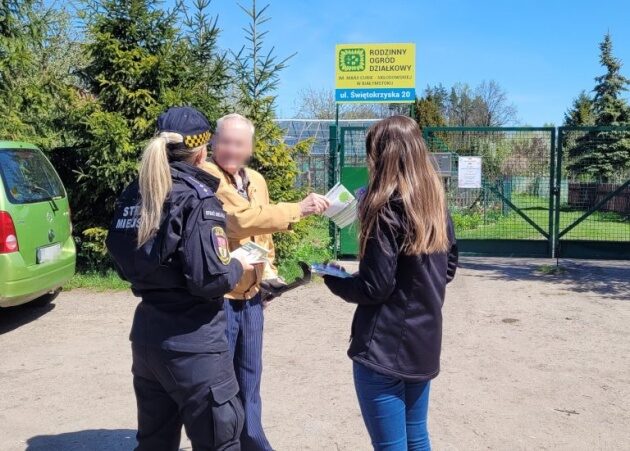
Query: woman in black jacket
{"type": "Point", "coordinates": [408, 254]}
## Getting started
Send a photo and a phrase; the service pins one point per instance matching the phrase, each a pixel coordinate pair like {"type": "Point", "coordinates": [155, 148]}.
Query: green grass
{"type": "Point", "coordinates": [598, 226]}
{"type": "Point", "coordinates": [315, 248]}
{"type": "Point", "coordinates": [109, 281]}
{"type": "Point", "coordinates": [551, 270]}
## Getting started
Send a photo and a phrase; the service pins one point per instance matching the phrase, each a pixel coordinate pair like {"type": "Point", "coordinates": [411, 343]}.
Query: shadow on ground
{"type": "Point", "coordinates": [91, 439]}
{"type": "Point", "coordinates": [14, 317]}
{"type": "Point", "coordinates": [610, 279]}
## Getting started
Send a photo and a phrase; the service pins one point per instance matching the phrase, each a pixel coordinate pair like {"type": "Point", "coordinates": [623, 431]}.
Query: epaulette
{"type": "Point", "coordinates": [201, 188]}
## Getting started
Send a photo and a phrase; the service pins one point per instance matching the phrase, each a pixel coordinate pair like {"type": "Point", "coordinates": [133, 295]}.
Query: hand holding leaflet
{"type": "Point", "coordinates": [343, 206]}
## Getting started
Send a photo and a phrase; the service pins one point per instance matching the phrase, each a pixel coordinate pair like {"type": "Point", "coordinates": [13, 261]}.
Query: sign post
{"type": "Point", "coordinates": [368, 73]}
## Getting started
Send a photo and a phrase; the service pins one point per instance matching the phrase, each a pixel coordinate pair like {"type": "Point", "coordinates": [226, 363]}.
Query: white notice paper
{"type": "Point", "coordinates": [469, 172]}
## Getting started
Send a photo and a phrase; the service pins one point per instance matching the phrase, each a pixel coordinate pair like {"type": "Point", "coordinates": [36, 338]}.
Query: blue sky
{"type": "Point", "coordinates": [542, 52]}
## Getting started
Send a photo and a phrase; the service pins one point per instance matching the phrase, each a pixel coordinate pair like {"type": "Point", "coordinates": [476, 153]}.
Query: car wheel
{"type": "Point", "coordinates": [46, 299]}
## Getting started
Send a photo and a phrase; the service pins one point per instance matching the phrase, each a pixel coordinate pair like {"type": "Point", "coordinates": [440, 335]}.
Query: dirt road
{"type": "Point", "coordinates": [530, 361]}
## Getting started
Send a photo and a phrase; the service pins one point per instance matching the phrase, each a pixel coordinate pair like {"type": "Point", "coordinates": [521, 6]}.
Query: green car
{"type": "Point", "coordinates": [37, 252]}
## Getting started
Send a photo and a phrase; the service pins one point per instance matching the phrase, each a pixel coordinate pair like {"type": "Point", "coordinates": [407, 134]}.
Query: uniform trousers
{"type": "Point", "coordinates": [196, 390]}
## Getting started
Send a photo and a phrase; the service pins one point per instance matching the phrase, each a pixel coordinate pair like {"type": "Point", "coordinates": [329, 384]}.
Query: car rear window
{"type": "Point", "coordinates": [28, 176]}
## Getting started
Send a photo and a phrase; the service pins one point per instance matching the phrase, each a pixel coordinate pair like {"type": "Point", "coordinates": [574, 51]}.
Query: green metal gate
{"type": "Point", "coordinates": [593, 193]}
{"type": "Point", "coordinates": [511, 214]}
{"type": "Point", "coordinates": [544, 191]}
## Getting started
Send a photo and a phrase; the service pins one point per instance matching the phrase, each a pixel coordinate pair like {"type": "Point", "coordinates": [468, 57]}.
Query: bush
{"type": "Point", "coordinates": [92, 254]}
{"type": "Point", "coordinates": [310, 243]}
{"type": "Point", "coordinates": [466, 220]}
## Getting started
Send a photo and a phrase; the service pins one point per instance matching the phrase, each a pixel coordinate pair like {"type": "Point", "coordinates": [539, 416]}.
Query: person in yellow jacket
{"type": "Point", "coordinates": [250, 217]}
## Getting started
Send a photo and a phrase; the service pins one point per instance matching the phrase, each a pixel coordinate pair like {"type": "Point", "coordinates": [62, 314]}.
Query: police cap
{"type": "Point", "coordinates": [188, 122]}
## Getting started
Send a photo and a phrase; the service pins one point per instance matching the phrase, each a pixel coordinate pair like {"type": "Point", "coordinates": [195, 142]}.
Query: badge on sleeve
{"type": "Point", "coordinates": [221, 244]}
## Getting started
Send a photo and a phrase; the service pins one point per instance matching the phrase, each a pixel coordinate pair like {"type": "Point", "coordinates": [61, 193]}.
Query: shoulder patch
{"type": "Point", "coordinates": [220, 241]}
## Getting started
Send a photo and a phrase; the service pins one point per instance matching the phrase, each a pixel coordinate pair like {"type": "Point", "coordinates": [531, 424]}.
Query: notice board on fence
{"type": "Point", "coordinates": [469, 172]}
{"type": "Point", "coordinates": [375, 73]}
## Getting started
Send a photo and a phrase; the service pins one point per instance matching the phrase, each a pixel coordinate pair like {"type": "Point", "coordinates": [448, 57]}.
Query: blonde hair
{"type": "Point", "coordinates": [154, 179]}
{"type": "Point", "coordinates": [400, 167]}
{"type": "Point", "coordinates": [235, 117]}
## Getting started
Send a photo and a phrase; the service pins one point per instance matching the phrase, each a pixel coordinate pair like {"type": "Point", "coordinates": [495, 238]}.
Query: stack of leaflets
{"type": "Point", "coordinates": [324, 269]}
{"type": "Point", "coordinates": [251, 252]}
{"type": "Point", "coordinates": [343, 206]}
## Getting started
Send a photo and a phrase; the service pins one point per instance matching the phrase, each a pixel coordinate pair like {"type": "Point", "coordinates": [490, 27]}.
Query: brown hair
{"type": "Point", "coordinates": [400, 167]}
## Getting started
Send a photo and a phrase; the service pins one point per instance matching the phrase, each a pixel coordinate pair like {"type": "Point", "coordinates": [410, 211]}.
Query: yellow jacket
{"type": "Point", "coordinates": [254, 220]}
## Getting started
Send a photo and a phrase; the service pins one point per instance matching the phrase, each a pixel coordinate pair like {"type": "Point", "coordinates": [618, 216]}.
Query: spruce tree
{"type": "Point", "coordinates": [18, 36]}
{"type": "Point", "coordinates": [581, 111]}
{"type": "Point", "coordinates": [580, 114]}
{"type": "Point", "coordinates": [206, 80]}
{"type": "Point", "coordinates": [610, 108]}
{"type": "Point", "coordinates": [142, 59]}
{"type": "Point", "coordinates": [605, 155]}
{"type": "Point", "coordinates": [257, 71]}
{"type": "Point", "coordinates": [130, 68]}
{"type": "Point", "coordinates": [33, 71]}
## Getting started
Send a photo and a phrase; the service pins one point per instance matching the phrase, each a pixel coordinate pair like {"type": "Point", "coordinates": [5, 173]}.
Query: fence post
{"type": "Point", "coordinates": [552, 195]}
{"type": "Point", "coordinates": [558, 191]}
{"type": "Point", "coordinates": [333, 149]}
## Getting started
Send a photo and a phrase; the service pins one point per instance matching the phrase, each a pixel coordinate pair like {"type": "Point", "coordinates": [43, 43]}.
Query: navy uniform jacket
{"type": "Point", "coordinates": [397, 326]}
{"type": "Point", "coordinates": [183, 272]}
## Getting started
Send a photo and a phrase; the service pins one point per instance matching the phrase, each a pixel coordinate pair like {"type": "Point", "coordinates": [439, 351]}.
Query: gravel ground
{"type": "Point", "coordinates": [530, 361]}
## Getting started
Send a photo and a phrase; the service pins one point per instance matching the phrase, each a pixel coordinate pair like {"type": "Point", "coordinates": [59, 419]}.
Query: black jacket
{"type": "Point", "coordinates": [183, 272]}
{"type": "Point", "coordinates": [397, 326]}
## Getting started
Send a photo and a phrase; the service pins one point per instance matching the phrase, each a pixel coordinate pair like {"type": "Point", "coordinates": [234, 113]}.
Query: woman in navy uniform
{"type": "Point", "coordinates": [168, 239]}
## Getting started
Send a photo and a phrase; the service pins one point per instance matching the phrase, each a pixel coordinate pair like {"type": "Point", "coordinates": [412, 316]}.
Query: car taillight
{"type": "Point", "coordinates": [8, 237]}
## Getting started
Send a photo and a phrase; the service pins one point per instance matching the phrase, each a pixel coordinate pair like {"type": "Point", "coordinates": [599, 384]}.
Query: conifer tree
{"type": "Point", "coordinates": [428, 112]}
{"type": "Point", "coordinates": [604, 155]}
{"type": "Point", "coordinates": [207, 66]}
{"type": "Point", "coordinates": [130, 48]}
{"type": "Point", "coordinates": [33, 71]}
{"type": "Point", "coordinates": [142, 59]}
{"type": "Point", "coordinates": [256, 72]}
{"type": "Point", "coordinates": [581, 111]}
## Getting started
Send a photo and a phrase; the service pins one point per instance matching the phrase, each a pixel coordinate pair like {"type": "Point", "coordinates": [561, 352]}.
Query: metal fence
{"type": "Point", "coordinates": [315, 167]}
{"type": "Point", "coordinates": [544, 191]}
{"type": "Point", "coordinates": [511, 212]}
{"type": "Point", "coordinates": [593, 218]}
{"type": "Point", "coordinates": [314, 172]}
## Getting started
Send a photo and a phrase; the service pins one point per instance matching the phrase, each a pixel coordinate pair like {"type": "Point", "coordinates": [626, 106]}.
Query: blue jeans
{"type": "Point", "coordinates": [245, 322]}
{"type": "Point", "coordinates": [394, 411]}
